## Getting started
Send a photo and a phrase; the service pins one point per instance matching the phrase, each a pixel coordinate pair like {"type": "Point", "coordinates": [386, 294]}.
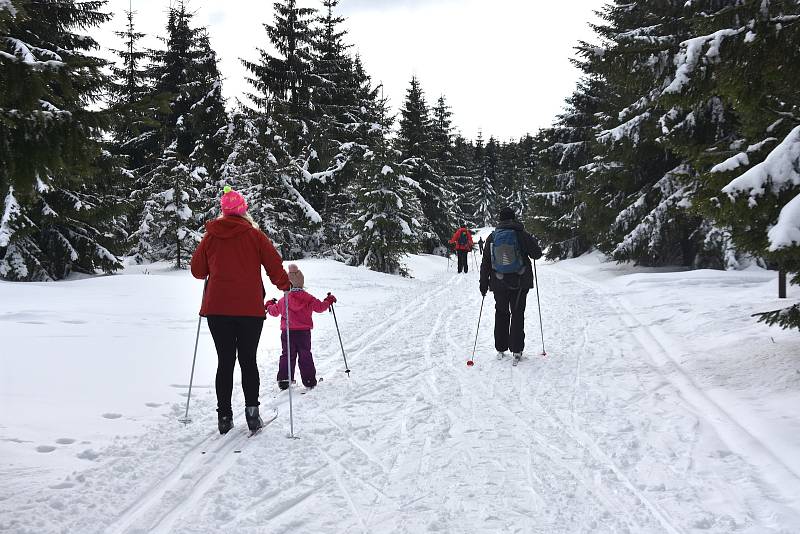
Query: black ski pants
{"type": "Point", "coordinates": [509, 319]}
{"type": "Point", "coordinates": [234, 335]}
{"type": "Point", "coordinates": [463, 264]}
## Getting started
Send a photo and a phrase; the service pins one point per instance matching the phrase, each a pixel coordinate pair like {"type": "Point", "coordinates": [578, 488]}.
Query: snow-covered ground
{"type": "Point", "coordinates": [661, 407]}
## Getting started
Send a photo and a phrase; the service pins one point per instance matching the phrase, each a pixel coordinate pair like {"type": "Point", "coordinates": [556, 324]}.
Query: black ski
{"type": "Point", "coordinates": [268, 421]}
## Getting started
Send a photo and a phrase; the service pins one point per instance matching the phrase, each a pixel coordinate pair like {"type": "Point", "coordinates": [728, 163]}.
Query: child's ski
{"type": "Point", "coordinates": [319, 380]}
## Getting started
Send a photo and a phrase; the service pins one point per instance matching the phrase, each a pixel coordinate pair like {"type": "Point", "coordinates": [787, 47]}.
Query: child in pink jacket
{"type": "Point", "coordinates": [301, 306]}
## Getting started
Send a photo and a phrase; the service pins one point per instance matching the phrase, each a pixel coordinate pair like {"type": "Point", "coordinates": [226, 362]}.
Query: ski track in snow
{"type": "Point", "coordinates": [601, 436]}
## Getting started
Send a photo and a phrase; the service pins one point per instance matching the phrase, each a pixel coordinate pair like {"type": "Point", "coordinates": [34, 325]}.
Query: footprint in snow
{"type": "Point", "coordinates": [88, 454]}
{"type": "Point", "coordinates": [45, 448]}
{"type": "Point", "coordinates": [65, 441]}
{"type": "Point", "coordinates": [112, 415]}
{"type": "Point", "coordinates": [152, 404]}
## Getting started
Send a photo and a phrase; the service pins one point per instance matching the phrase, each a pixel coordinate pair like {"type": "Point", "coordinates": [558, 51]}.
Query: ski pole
{"type": "Point", "coordinates": [471, 361]}
{"type": "Point", "coordinates": [289, 368]}
{"type": "Point", "coordinates": [338, 333]}
{"type": "Point", "coordinates": [185, 419]}
{"type": "Point", "coordinates": [539, 304]}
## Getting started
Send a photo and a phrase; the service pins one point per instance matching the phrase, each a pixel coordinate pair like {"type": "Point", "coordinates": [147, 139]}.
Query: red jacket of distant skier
{"type": "Point", "coordinates": [231, 255]}
{"type": "Point", "coordinates": [456, 236]}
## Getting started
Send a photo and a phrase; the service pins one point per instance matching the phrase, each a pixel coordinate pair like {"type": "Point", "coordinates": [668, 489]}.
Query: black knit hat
{"type": "Point", "coordinates": [506, 214]}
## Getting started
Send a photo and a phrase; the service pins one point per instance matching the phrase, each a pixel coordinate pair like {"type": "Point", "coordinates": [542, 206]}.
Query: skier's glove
{"type": "Point", "coordinates": [484, 290]}
{"type": "Point", "coordinates": [271, 302]}
{"type": "Point", "coordinates": [330, 299]}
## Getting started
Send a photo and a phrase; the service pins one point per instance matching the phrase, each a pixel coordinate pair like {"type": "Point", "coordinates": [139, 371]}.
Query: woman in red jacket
{"type": "Point", "coordinates": [231, 255]}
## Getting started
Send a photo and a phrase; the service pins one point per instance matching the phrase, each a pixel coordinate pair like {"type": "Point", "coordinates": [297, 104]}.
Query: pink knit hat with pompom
{"type": "Point", "coordinates": [295, 275]}
{"type": "Point", "coordinates": [232, 202]}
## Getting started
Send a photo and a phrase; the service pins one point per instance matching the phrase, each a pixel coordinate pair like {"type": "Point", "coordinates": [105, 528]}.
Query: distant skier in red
{"type": "Point", "coordinates": [462, 241]}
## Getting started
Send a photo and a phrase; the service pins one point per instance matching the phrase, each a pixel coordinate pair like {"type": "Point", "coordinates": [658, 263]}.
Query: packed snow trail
{"type": "Point", "coordinates": [595, 437]}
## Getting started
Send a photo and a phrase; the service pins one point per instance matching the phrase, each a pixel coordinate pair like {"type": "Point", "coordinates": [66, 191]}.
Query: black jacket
{"type": "Point", "coordinates": [510, 282]}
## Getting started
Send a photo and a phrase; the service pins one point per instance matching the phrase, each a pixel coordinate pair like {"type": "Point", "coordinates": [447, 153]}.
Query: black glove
{"type": "Point", "coordinates": [484, 290]}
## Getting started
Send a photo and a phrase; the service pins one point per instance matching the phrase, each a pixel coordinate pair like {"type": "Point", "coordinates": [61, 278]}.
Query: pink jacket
{"type": "Point", "coordinates": [301, 305]}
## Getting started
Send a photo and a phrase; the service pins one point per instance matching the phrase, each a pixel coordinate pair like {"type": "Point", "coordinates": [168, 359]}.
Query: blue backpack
{"type": "Point", "coordinates": [506, 253]}
{"type": "Point", "coordinates": [462, 239]}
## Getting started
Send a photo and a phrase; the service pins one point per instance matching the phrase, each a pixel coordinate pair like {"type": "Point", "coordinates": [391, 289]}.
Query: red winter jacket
{"type": "Point", "coordinates": [231, 255]}
{"type": "Point", "coordinates": [454, 240]}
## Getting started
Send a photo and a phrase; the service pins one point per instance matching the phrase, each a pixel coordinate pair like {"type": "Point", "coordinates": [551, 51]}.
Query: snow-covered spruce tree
{"type": "Point", "coordinates": [524, 166]}
{"type": "Point", "coordinates": [651, 186]}
{"type": "Point", "coordinates": [486, 181]}
{"type": "Point", "coordinates": [283, 85]}
{"type": "Point", "coordinates": [462, 179]}
{"type": "Point", "coordinates": [337, 116]}
{"type": "Point", "coordinates": [387, 221]}
{"type": "Point", "coordinates": [483, 185]}
{"type": "Point", "coordinates": [251, 169]}
{"type": "Point", "coordinates": [134, 130]}
{"type": "Point", "coordinates": [446, 164]}
{"type": "Point", "coordinates": [414, 142]}
{"type": "Point", "coordinates": [740, 60]}
{"type": "Point", "coordinates": [557, 207]}
{"type": "Point", "coordinates": [50, 222]}
{"type": "Point", "coordinates": [190, 130]}
{"type": "Point", "coordinates": [134, 139]}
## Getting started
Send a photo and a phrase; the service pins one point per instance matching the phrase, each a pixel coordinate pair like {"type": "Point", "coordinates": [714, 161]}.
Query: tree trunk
{"type": "Point", "coordinates": [781, 284]}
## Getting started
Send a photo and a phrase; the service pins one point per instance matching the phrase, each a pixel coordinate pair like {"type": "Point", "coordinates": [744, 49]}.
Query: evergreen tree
{"type": "Point", "coordinates": [447, 166]}
{"type": "Point", "coordinates": [191, 132]}
{"type": "Point", "coordinates": [644, 208]}
{"type": "Point", "coordinates": [283, 87]}
{"type": "Point", "coordinates": [461, 177]}
{"type": "Point", "coordinates": [283, 83]}
{"type": "Point", "coordinates": [558, 210]}
{"type": "Point", "coordinates": [738, 126]}
{"type": "Point", "coordinates": [135, 128]}
{"type": "Point", "coordinates": [50, 222]}
{"type": "Point", "coordinates": [387, 223]}
{"type": "Point", "coordinates": [415, 144]}
{"type": "Point", "coordinates": [338, 115]}
{"type": "Point", "coordinates": [251, 169]}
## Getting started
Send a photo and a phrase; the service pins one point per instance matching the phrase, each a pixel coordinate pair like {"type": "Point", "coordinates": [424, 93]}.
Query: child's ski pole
{"type": "Point", "coordinates": [289, 368]}
{"type": "Point", "coordinates": [338, 333]}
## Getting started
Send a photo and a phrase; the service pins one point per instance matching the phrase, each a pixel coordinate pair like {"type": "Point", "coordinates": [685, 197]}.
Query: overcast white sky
{"type": "Point", "coordinates": [503, 65]}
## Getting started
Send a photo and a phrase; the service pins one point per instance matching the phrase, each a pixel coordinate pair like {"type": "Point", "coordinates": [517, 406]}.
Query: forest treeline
{"type": "Point", "coordinates": [680, 144]}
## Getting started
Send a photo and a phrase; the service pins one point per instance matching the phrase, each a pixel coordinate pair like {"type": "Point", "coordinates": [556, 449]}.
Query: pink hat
{"type": "Point", "coordinates": [295, 275]}
{"type": "Point", "coordinates": [232, 203]}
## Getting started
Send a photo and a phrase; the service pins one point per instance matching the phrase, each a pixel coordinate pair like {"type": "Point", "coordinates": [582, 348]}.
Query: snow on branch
{"type": "Point", "coordinates": [787, 232]}
{"type": "Point", "coordinates": [8, 6]}
{"type": "Point", "coordinates": [781, 169]}
{"type": "Point", "coordinates": [323, 175]}
{"type": "Point", "coordinates": [687, 59]}
{"type": "Point", "coordinates": [778, 172]}
{"type": "Point", "coordinates": [307, 208]}
{"type": "Point", "coordinates": [649, 228]}
{"type": "Point", "coordinates": [25, 53]}
{"type": "Point", "coordinates": [11, 210]}
{"type": "Point", "coordinates": [741, 159]}
{"type": "Point", "coordinates": [629, 129]}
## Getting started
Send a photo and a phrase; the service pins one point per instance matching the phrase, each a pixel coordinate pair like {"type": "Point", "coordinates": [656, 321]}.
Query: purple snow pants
{"type": "Point", "coordinates": [300, 342]}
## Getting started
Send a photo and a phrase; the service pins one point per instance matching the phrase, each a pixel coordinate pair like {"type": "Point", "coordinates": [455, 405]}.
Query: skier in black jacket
{"type": "Point", "coordinates": [510, 289]}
